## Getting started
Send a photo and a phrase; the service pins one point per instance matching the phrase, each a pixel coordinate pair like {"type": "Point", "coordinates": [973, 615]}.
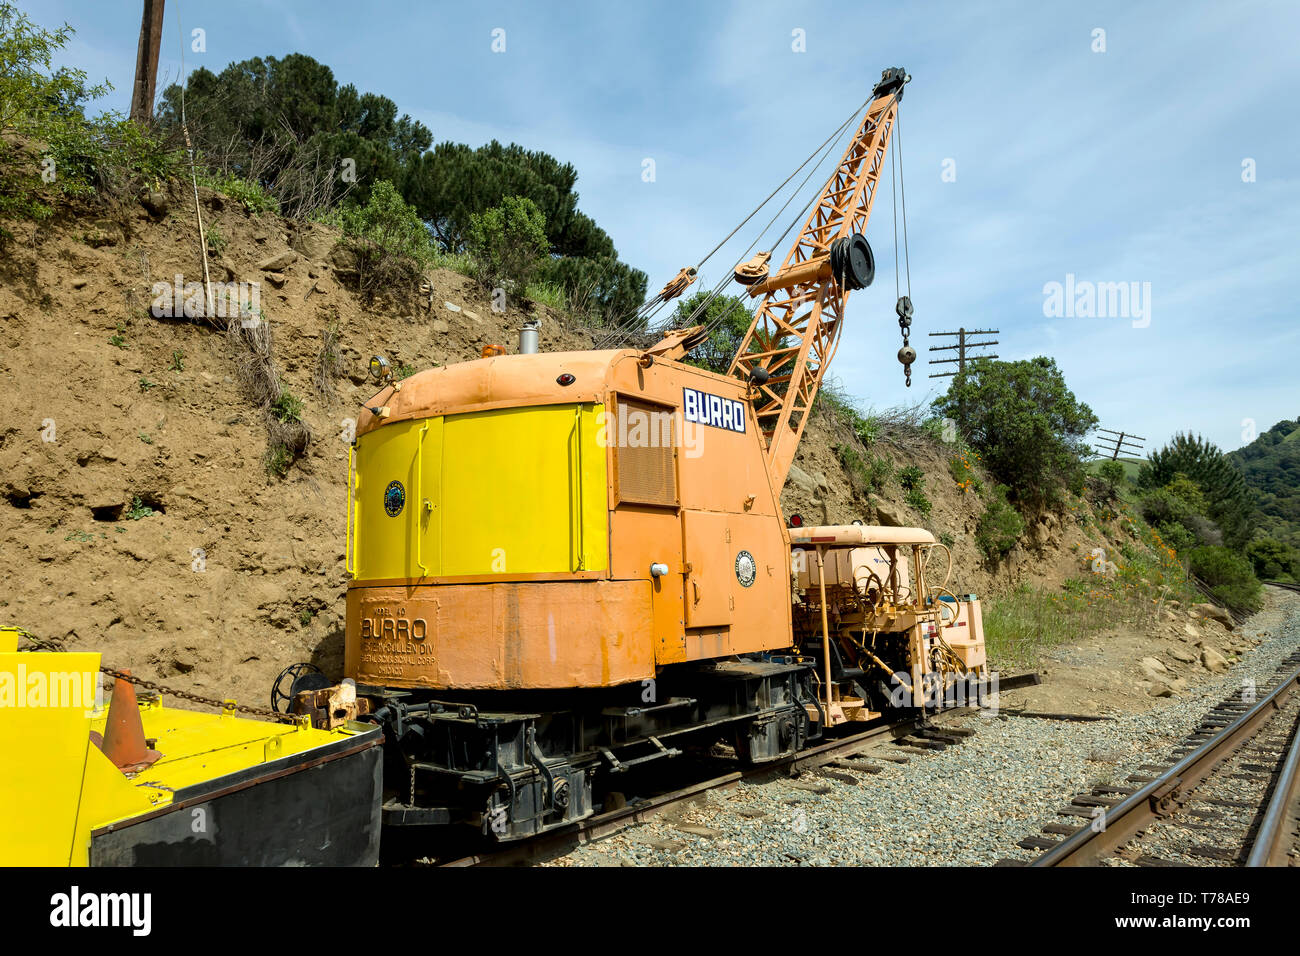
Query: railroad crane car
{"type": "Point", "coordinates": [567, 568]}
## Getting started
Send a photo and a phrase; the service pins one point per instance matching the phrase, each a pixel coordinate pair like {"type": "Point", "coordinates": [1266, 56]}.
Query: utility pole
{"type": "Point", "coordinates": [146, 61]}
{"type": "Point", "coordinates": [1123, 441]}
{"type": "Point", "coordinates": [962, 347]}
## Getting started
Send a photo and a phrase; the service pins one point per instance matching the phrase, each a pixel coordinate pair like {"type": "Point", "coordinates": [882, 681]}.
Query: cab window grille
{"type": "Point", "coordinates": [644, 437]}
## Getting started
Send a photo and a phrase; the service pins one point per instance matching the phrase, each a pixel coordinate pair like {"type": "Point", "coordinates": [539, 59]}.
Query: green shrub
{"type": "Point", "coordinates": [1000, 526]}
{"type": "Point", "coordinates": [1274, 560]}
{"type": "Point", "coordinates": [879, 473]}
{"type": "Point", "coordinates": [1112, 472]}
{"type": "Point", "coordinates": [287, 407]}
{"type": "Point", "coordinates": [917, 499]}
{"type": "Point", "coordinates": [1176, 511]}
{"type": "Point", "coordinates": [111, 155]}
{"type": "Point", "coordinates": [40, 102]}
{"type": "Point", "coordinates": [725, 316]}
{"type": "Point", "coordinates": [67, 154]}
{"type": "Point", "coordinates": [1220, 491]}
{"type": "Point", "coordinates": [1229, 577]}
{"type": "Point", "coordinates": [1176, 536]}
{"type": "Point", "coordinates": [866, 427]}
{"type": "Point", "coordinates": [250, 194]}
{"type": "Point", "coordinates": [507, 243]}
{"type": "Point", "coordinates": [963, 472]}
{"type": "Point", "coordinates": [1027, 425]}
{"type": "Point", "coordinates": [1188, 492]}
{"type": "Point", "coordinates": [390, 241]}
{"type": "Point", "coordinates": [1160, 507]}
{"type": "Point", "coordinates": [911, 477]}
{"type": "Point", "coordinates": [852, 462]}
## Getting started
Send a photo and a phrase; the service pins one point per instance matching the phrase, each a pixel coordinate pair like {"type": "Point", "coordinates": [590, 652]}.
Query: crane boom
{"type": "Point", "coordinates": [796, 328]}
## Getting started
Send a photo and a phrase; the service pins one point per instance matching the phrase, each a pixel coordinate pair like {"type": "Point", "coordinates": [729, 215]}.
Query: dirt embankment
{"type": "Point", "coordinates": [137, 516]}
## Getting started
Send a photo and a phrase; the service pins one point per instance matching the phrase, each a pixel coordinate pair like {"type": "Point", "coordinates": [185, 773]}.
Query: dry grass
{"type": "Point", "coordinates": [1022, 624]}
{"type": "Point", "coordinates": [328, 361]}
{"type": "Point", "coordinates": [288, 437]}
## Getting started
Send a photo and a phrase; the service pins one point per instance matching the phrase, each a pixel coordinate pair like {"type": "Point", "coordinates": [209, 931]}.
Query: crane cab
{"type": "Point", "coordinates": [560, 520]}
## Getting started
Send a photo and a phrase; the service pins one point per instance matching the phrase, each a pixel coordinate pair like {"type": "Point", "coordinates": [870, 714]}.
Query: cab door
{"type": "Point", "coordinates": [706, 551]}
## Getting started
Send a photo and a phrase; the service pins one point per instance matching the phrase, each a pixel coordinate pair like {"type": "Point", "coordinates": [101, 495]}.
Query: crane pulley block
{"type": "Point", "coordinates": [753, 271]}
{"type": "Point", "coordinates": [852, 262]}
{"type": "Point", "coordinates": [677, 284]}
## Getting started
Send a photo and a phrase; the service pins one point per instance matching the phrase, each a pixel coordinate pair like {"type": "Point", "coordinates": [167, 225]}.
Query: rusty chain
{"type": "Point", "coordinates": [160, 689]}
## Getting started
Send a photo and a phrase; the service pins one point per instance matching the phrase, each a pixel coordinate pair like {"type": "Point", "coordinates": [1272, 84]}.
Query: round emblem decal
{"type": "Point", "coordinates": [746, 569]}
{"type": "Point", "coordinates": [394, 498]}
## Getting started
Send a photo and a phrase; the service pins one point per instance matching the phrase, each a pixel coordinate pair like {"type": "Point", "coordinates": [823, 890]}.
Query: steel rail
{"type": "Point", "coordinates": [1156, 799]}
{"type": "Point", "coordinates": [1272, 839]}
{"type": "Point", "coordinates": [1270, 846]}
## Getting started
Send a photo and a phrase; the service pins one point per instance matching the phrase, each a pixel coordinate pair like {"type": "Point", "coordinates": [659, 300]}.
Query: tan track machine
{"type": "Point", "coordinates": [884, 632]}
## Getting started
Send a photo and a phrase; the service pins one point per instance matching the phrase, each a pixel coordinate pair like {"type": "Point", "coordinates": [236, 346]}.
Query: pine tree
{"type": "Point", "coordinates": [1230, 502]}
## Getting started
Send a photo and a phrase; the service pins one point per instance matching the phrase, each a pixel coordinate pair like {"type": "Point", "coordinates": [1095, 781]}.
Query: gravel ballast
{"type": "Point", "coordinates": [966, 805]}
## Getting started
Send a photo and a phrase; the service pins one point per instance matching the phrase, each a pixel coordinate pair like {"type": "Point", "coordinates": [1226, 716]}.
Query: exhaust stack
{"type": "Point", "coordinates": [528, 337]}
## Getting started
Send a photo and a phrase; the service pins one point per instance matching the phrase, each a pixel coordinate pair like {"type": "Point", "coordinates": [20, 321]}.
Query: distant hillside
{"type": "Point", "coordinates": [1131, 466]}
{"type": "Point", "coordinates": [1271, 465]}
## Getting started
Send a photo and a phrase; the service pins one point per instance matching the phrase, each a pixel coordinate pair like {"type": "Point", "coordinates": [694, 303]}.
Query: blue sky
{"type": "Point", "coordinates": [1117, 166]}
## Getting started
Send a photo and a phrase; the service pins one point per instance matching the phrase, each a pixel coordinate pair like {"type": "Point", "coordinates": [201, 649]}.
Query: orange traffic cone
{"type": "Point", "coordinates": [124, 742]}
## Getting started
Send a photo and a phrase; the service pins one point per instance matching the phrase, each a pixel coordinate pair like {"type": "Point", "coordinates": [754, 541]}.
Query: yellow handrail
{"type": "Point", "coordinates": [352, 504]}
{"type": "Point", "coordinates": [419, 500]}
{"type": "Point", "coordinates": [577, 434]}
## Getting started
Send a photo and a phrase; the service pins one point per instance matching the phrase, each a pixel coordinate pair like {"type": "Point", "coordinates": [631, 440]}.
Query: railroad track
{"type": "Point", "coordinates": [910, 735]}
{"type": "Point", "coordinates": [1228, 797]}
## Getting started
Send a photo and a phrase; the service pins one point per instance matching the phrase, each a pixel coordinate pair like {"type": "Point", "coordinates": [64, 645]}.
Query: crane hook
{"type": "Point", "coordinates": [907, 354]}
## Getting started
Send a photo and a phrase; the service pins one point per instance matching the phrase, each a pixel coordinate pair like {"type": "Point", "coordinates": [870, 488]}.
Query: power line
{"type": "Point", "coordinates": [963, 347]}
{"type": "Point", "coordinates": [1125, 442]}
